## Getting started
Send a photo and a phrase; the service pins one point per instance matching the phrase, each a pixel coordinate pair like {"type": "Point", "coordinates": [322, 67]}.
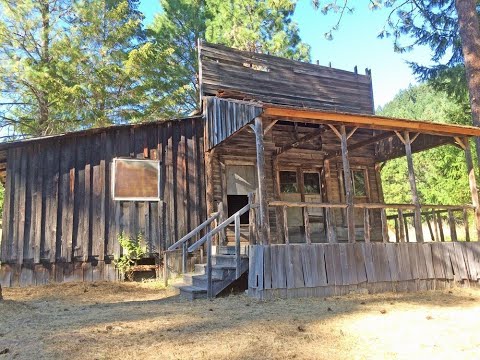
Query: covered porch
{"type": "Point", "coordinates": [336, 235]}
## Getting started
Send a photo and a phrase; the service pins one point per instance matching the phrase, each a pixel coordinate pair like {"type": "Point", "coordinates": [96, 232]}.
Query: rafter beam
{"type": "Point", "coordinates": [360, 144]}
{"type": "Point", "coordinates": [301, 141]}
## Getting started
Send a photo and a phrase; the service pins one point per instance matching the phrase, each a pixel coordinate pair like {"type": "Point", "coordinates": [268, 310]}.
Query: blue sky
{"type": "Point", "coordinates": [355, 43]}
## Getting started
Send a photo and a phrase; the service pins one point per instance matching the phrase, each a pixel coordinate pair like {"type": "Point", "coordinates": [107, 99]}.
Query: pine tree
{"type": "Point", "coordinates": [254, 25]}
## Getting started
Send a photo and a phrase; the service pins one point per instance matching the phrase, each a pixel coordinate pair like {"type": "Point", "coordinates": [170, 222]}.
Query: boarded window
{"type": "Point", "coordinates": [288, 182]}
{"type": "Point", "coordinates": [359, 185]}
{"type": "Point", "coordinates": [311, 183]}
{"type": "Point", "coordinates": [135, 179]}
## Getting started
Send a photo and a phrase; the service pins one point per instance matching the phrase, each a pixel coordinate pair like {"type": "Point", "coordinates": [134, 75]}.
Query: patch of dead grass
{"type": "Point", "coordinates": [132, 321]}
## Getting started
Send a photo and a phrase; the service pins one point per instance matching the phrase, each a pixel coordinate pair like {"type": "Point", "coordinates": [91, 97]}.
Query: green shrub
{"type": "Point", "coordinates": [132, 252]}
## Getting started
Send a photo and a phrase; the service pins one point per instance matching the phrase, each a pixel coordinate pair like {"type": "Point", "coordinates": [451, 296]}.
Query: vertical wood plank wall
{"type": "Point", "coordinates": [60, 221]}
{"type": "Point", "coordinates": [301, 270]}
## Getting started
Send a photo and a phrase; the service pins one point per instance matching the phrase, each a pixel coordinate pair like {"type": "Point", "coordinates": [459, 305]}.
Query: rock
{"type": "Point", "coordinates": [383, 311]}
{"type": "Point", "coordinates": [301, 328]}
{"type": "Point", "coordinates": [4, 351]}
{"type": "Point", "coordinates": [108, 327]}
{"type": "Point", "coordinates": [1, 297]}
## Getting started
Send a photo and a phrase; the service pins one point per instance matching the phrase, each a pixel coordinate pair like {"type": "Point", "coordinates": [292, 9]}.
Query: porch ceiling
{"type": "Point", "coordinates": [367, 121]}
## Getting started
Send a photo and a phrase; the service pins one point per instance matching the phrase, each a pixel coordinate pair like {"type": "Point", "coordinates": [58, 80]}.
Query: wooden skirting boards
{"type": "Point", "coordinates": [28, 274]}
{"type": "Point", "coordinates": [299, 270]}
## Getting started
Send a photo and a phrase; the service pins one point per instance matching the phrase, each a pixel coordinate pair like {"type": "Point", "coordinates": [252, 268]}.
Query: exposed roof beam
{"type": "Point", "coordinates": [360, 144]}
{"type": "Point", "coordinates": [301, 141]}
{"type": "Point", "coordinates": [368, 121]}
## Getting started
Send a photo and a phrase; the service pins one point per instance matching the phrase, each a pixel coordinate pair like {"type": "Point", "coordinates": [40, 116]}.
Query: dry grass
{"type": "Point", "coordinates": [111, 321]}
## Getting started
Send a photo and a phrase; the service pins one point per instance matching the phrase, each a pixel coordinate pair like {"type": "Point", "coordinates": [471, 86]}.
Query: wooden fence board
{"type": "Point", "coordinates": [359, 252]}
{"type": "Point", "coordinates": [267, 267]}
{"type": "Point", "coordinates": [447, 263]}
{"type": "Point", "coordinates": [279, 279]}
{"type": "Point", "coordinates": [353, 279]}
{"type": "Point", "coordinates": [392, 261]}
{"type": "Point", "coordinates": [321, 277]}
{"type": "Point", "coordinates": [370, 269]}
{"type": "Point", "coordinates": [461, 262]}
{"type": "Point", "coordinates": [437, 256]}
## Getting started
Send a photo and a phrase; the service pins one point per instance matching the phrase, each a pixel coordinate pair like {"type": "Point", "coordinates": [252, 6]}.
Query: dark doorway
{"type": "Point", "coordinates": [235, 203]}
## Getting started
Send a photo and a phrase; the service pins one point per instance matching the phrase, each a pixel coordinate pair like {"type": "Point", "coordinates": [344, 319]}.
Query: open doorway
{"type": "Point", "coordinates": [241, 181]}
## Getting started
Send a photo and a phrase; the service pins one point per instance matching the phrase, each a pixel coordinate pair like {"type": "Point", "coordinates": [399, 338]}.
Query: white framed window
{"type": "Point", "coordinates": [135, 179]}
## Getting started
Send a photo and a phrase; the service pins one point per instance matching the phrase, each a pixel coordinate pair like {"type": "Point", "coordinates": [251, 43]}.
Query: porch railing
{"type": "Point", "coordinates": [378, 216]}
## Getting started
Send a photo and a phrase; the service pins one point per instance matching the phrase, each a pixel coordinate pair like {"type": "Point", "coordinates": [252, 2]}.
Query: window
{"type": "Point", "coordinates": [135, 179]}
{"type": "Point", "coordinates": [288, 182]}
{"type": "Point", "coordinates": [359, 183]}
{"type": "Point", "coordinates": [311, 183]}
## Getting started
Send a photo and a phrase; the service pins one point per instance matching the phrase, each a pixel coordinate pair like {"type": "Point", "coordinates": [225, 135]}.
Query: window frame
{"type": "Point", "coordinates": [297, 185]}
{"type": "Point", "coordinates": [364, 171]}
{"type": "Point", "coordinates": [114, 174]}
{"type": "Point", "coordinates": [316, 172]}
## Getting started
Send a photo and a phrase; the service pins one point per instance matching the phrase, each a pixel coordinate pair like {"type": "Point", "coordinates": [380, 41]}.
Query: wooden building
{"type": "Point", "coordinates": [279, 176]}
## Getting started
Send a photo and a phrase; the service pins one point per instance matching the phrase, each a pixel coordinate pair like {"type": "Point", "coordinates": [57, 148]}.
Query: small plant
{"type": "Point", "coordinates": [132, 252]}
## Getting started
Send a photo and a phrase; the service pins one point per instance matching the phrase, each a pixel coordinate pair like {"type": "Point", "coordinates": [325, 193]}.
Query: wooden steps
{"type": "Point", "coordinates": [194, 285]}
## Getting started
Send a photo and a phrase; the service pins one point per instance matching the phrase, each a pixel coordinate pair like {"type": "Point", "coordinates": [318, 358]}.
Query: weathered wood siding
{"type": "Point", "coordinates": [281, 81]}
{"type": "Point", "coordinates": [225, 117]}
{"type": "Point", "coordinates": [59, 207]}
{"type": "Point", "coordinates": [337, 269]}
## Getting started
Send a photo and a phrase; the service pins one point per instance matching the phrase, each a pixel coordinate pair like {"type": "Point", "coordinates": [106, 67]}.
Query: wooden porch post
{"type": "Point", "coordinates": [262, 193]}
{"type": "Point", "coordinates": [348, 185]}
{"type": "Point", "coordinates": [413, 187]}
{"type": "Point", "coordinates": [473, 184]}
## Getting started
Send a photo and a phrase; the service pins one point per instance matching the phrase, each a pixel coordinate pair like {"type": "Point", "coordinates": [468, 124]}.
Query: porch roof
{"type": "Point", "coordinates": [307, 115]}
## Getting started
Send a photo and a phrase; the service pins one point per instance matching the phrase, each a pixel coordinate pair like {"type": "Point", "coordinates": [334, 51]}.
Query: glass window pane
{"type": "Point", "coordinates": [359, 187]}
{"type": "Point", "coordinates": [136, 179]}
{"type": "Point", "coordinates": [288, 182]}
{"type": "Point", "coordinates": [311, 183]}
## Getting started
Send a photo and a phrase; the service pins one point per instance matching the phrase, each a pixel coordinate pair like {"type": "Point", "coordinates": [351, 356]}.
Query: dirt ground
{"type": "Point", "coordinates": [143, 321]}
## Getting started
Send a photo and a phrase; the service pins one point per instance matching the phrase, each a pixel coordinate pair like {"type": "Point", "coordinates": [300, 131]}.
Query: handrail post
{"type": "Point", "coordinates": [221, 240]}
{"type": "Point", "coordinates": [366, 225]}
{"type": "Point", "coordinates": [251, 220]}
{"type": "Point", "coordinates": [237, 247]}
{"type": "Point", "coordinates": [209, 267]}
{"type": "Point", "coordinates": [184, 257]}
{"type": "Point", "coordinates": [165, 269]}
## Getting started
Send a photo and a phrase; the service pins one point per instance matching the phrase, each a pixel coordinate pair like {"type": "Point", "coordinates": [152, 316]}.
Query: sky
{"type": "Point", "coordinates": [354, 44]}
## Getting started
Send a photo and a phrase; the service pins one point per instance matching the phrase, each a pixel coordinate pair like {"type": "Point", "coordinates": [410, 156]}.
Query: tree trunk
{"type": "Point", "coordinates": [470, 36]}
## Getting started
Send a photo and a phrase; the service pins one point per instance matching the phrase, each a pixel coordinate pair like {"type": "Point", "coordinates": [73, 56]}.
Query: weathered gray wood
{"type": "Point", "coordinates": [452, 225]}
{"type": "Point", "coordinates": [209, 266]}
{"type": "Point", "coordinates": [224, 71]}
{"type": "Point", "coordinates": [440, 227]}
{"type": "Point", "coordinates": [466, 225]}
{"type": "Point", "coordinates": [413, 188]}
{"type": "Point", "coordinates": [237, 247]}
{"type": "Point", "coordinates": [285, 224]}
{"type": "Point", "coordinates": [262, 191]}
{"type": "Point", "coordinates": [366, 226]}
{"type": "Point", "coordinates": [348, 185]}
{"type": "Point", "coordinates": [390, 250]}
{"type": "Point", "coordinates": [383, 217]}
{"type": "Point", "coordinates": [401, 225]}
{"type": "Point", "coordinates": [267, 267]}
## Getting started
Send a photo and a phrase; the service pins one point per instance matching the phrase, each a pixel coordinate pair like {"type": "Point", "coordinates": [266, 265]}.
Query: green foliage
{"type": "Point", "coordinates": [441, 172]}
{"type": "Point", "coordinates": [255, 25]}
{"type": "Point", "coordinates": [64, 64]}
{"type": "Point", "coordinates": [133, 250]}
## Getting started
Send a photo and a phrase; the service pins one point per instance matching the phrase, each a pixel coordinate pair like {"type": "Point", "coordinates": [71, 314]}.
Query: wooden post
{"type": "Point", "coordinates": [453, 228]}
{"type": "Point", "coordinates": [251, 220]}
{"type": "Point", "coordinates": [209, 267]}
{"type": "Point", "coordinates": [165, 269]}
{"type": "Point", "coordinates": [347, 175]}
{"type": "Point", "coordinates": [435, 224]}
{"type": "Point", "coordinates": [209, 158]}
{"type": "Point", "coordinates": [222, 238]}
{"type": "Point", "coordinates": [184, 257]}
{"type": "Point", "coordinates": [285, 224]}
{"type": "Point", "coordinates": [473, 185]}
{"type": "Point", "coordinates": [278, 209]}
{"type": "Point", "coordinates": [237, 246]}
{"type": "Point", "coordinates": [465, 223]}
{"type": "Point", "coordinates": [366, 226]}
{"type": "Point", "coordinates": [383, 215]}
{"type": "Point", "coordinates": [401, 225]}
{"type": "Point", "coordinates": [262, 191]}
{"type": "Point", "coordinates": [413, 188]}
{"type": "Point", "coordinates": [330, 220]}
{"type": "Point", "coordinates": [306, 220]}
{"type": "Point", "coordinates": [440, 226]}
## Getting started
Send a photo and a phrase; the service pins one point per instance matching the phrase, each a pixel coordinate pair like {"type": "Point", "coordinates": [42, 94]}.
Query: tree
{"type": "Point", "coordinates": [33, 77]}
{"type": "Point", "coordinates": [65, 64]}
{"type": "Point", "coordinates": [441, 172]}
{"type": "Point", "coordinates": [175, 32]}
{"type": "Point", "coordinates": [446, 26]}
